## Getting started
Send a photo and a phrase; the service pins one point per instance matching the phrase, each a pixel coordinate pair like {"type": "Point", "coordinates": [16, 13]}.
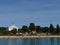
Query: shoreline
{"type": "Point", "coordinates": [48, 36]}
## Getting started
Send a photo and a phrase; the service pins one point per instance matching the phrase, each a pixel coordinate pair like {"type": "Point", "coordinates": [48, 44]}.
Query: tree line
{"type": "Point", "coordinates": [32, 27]}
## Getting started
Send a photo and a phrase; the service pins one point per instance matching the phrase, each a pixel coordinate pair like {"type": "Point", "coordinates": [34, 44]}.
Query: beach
{"type": "Point", "coordinates": [49, 36]}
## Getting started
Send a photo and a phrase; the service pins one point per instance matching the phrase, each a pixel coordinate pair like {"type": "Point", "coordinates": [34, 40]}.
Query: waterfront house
{"type": "Point", "coordinates": [34, 32]}
{"type": "Point", "coordinates": [12, 27]}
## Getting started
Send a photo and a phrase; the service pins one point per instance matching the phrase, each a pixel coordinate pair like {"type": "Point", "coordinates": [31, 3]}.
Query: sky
{"type": "Point", "coordinates": [23, 12]}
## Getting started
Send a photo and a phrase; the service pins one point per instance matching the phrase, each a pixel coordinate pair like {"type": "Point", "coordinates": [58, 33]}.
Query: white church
{"type": "Point", "coordinates": [13, 26]}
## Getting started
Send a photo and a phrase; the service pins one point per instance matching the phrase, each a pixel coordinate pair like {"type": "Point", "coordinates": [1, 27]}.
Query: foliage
{"type": "Point", "coordinates": [46, 30]}
{"type": "Point", "coordinates": [57, 29]}
{"type": "Point", "coordinates": [38, 29]}
{"type": "Point", "coordinates": [24, 29]}
{"type": "Point", "coordinates": [19, 30]}
{"type": "Point", "coordinates": [32, 26]}
{"type": "Point", "coordinates": [14, 31]}
{"type": "Point", "coordinates": [3, 30]}
{"type": "Point", "coordinates": [51, 29]}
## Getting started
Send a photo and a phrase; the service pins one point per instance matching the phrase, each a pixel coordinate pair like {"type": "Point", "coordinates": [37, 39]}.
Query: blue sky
{"type": "Point", "coordinates": [23, 12]}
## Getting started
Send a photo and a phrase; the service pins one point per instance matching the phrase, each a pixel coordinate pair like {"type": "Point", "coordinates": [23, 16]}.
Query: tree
{"type": "Point", "coordinates": [19, 30]}
{"type": "Point", "coordinates": [14, 31]}
{"type": "Point", "coordinates": [57, 29]}
{"type": "Point", "coordinates": [52, 31]}
{"type": "Point", "coordinates": [3, 30]}
{"type": "Point", "coordinates": [25, 29]}
{"type": "Point", "coordinates": [46, 29]}
{"type": "Point", "coordinates": [38, 29]}
{"type": "Point", "coordinates": [32, 26]}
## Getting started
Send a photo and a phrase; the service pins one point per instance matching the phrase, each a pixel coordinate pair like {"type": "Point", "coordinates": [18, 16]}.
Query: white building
{"type": "Point", "coordinates": [13, 26]}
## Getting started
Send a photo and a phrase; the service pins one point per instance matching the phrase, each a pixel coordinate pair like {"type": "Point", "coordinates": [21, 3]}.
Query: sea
{"type": "Point", "coordinates": [30, 41]}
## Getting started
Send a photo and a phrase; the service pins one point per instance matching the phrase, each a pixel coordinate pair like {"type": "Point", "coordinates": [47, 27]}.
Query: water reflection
{"type": "Point", "coordinates": [52, 41]}
{"type": "Point", "coordinates": [26, 41]}
{"type": "Point", "coordinates": [12, 41]}
{"type": "Point", "coordinates": [58, 41]}
{"type": "Point", "coordinates": [32, 41]}
{"type": "Point", "coordinates": [55, 41]}
{"type": "Point", "coordinates": [3, 41]}
{"type": "Point", "coordinates": [20, 41]}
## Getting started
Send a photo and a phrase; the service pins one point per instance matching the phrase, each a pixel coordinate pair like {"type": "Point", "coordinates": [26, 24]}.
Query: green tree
{"type": "Point", "coordinates": [14, 31]}
{"type": "Point", "coordinates": [57, 29]}
{"type": "Point", "coordinates": [46, 29]}
{"type": "Point", "coordinates": [38, 29]}
{"type": "Point", "coordinates": [3, 30]}
{"type": "Point", "coordinates": [32, 26]}
{"type": "Point", "coordinates": [52, 31]}
{"type": "Point", "coordinates": [19, 30]}
{"type": "Point", "coordinates": [24, 29]}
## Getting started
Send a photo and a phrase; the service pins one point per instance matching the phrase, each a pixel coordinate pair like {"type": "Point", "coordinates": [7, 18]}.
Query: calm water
{"type": "Point", "coordinates": [33, 41]}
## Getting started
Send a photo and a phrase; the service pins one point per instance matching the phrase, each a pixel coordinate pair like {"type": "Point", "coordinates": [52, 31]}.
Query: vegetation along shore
{"type": "Point", "coordinates": [30, 31]}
